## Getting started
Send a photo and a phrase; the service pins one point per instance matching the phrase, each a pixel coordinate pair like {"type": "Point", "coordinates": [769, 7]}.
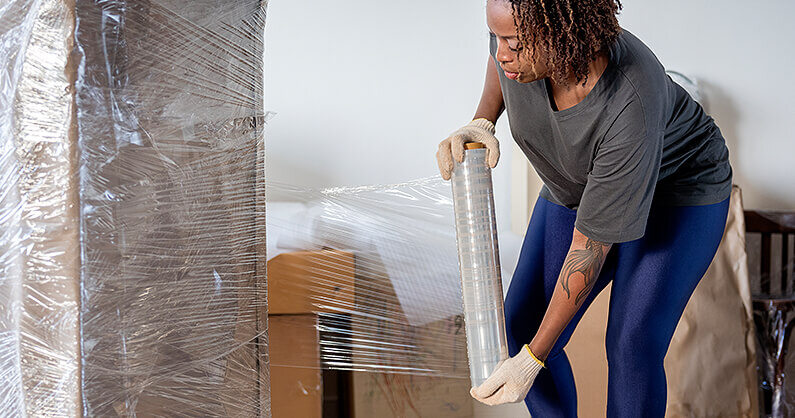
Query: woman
{"type": "Point", "coordinates": [636, 187]}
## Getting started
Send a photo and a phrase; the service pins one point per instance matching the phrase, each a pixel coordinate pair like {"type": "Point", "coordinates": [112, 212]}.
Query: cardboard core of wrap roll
{"type": "Point", "coordinates": [473, 145]}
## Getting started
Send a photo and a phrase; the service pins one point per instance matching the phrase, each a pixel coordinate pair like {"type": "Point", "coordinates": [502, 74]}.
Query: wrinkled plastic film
{"type": "Point", "coordinates": [367, 278]}
{"type": "Point", "coordinates": [377, 269]}
{"type": "Point", "coordinates": [38, 282]}
{"type": "Point", "coordinates": [771, 261]}
{"type": "Point", "coordinates": [132, 240]}
{"type": "Point", "coordinates": [478, 252]}
{"type": "Point", "coordinates": [379, 265]}
{"type": "Point", "coordinates": [380, 259]}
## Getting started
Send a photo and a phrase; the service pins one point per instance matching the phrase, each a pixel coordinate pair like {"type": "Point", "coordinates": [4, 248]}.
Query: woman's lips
{"type": "Point", "coordinates": [512, 76]}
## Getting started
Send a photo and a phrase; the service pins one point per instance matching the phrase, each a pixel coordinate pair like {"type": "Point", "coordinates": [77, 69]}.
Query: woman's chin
{"type": "Point", "coordinates": [526, 78]}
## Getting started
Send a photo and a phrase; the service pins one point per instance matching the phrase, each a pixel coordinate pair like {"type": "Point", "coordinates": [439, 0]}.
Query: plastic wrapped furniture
{"type": "Point", "coordinates": [774, 304]}
{"type": "Point", "coordinates": [131, 159]}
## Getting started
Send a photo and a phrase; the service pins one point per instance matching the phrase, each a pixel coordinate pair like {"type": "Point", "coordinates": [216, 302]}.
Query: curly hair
{"type": "Point", "coordinates": [570, 33]}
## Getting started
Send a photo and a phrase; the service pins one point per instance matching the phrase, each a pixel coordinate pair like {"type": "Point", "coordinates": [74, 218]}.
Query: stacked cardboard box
{"type": "Point", "coordinates": [366, 331]}
{"type": "Point", "coordinates": [302, 286]}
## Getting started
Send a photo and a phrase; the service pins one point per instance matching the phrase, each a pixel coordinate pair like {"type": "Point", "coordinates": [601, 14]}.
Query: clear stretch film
{"type": "Point", "coordinates": [479, 262]}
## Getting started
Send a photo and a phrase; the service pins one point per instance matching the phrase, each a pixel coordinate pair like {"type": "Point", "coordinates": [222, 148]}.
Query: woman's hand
{"type": "Point", "coordinates": [479, 130]}
{"type": "Point", "coordinates": [511, 381]}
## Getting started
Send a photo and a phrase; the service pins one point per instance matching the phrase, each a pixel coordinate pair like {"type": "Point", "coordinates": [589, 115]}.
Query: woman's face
{"type": "Point", "coordinates": [518, 63]}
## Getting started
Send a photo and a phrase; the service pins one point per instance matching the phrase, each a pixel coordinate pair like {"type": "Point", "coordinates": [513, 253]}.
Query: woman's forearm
{"type": "Point", "coordinates": [491, 102]}
{"type": "Point", "coordinates": [575, 282]}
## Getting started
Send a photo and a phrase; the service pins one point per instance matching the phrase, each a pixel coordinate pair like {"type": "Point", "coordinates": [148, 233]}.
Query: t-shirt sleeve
{"type": "Point", "coordinates": [615, 203]}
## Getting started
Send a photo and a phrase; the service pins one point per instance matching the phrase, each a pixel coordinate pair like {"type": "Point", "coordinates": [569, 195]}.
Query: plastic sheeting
{"type": "Point", "coordinates": [404, 295]}
{"type": "Point", "coordinates": [131, 151]}
{"type": "Point", "coordinates": [772, 266]}
{"type": "Point", "coordinates": [378, 268]}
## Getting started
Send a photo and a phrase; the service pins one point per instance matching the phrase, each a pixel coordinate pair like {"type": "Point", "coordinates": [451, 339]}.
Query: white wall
{"type": "Point", "coordinates": [742, 53]}
{"type": "Point", "coordinates": [365, 90]}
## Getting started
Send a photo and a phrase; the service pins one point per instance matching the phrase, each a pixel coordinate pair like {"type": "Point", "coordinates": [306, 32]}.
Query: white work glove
{"type": "Point", "coordinates": [511, 381]}
{"type": "Point", "coordinates": [479, 130]}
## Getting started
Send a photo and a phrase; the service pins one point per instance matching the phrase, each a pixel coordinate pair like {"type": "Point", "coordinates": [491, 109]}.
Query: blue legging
{"type": "Point", "coordinates": [653, 278]}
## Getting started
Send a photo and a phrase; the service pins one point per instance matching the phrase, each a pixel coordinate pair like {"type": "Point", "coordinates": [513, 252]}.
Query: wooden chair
{"type": "Point", "coordinates": [774, 306]}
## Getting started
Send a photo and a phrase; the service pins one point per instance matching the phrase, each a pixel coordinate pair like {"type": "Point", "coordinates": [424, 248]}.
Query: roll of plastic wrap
{"type": "Point", "coordinates": [479, 263]}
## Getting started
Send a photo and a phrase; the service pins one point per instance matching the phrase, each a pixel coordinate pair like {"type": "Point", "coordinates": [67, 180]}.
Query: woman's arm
{"type": "Point", "coordinates": [491, 102]}
{"type": "Point", "coordinates": [577, 277]}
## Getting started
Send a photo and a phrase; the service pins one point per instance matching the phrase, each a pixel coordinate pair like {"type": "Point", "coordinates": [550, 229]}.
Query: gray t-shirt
{"type": "Point", "coordinates": [637, 137]}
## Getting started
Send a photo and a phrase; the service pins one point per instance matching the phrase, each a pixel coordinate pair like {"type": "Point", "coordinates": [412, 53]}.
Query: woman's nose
{"type": "Point", "coordinates": [504, 55]}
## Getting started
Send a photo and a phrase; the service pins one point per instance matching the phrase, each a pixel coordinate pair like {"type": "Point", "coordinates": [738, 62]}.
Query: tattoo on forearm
{"type": "Point", "coordinates": [584, 263]}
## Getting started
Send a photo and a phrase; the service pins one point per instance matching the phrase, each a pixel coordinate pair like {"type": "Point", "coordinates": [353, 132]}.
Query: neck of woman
{"type": "Point", "coordinates": [566, 96]}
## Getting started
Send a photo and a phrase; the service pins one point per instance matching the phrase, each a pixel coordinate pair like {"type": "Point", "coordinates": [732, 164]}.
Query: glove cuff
{"type": "Point", "coordinates": [483, 123]}
{"type": "Point", "coordinates": [528, 367]}
{"type": "Point", "coordinates": [533, 356]}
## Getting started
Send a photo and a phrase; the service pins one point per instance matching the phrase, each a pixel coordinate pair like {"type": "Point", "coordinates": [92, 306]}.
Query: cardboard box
{"type": "Point", "coordinates": [438, 388]}
{"type": "Point", "coordinates": [311, 281]}
{"type": "Point", "coordinates": [386, 395]}
{"type": "Point", "coordinates": [296, 385]}
{"type": "Point", "coordinates": [435, 377]}
{"type": "Point", "coordinates": [432, 378]}
{"type": "Point", "coordinates": [301, 286]}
